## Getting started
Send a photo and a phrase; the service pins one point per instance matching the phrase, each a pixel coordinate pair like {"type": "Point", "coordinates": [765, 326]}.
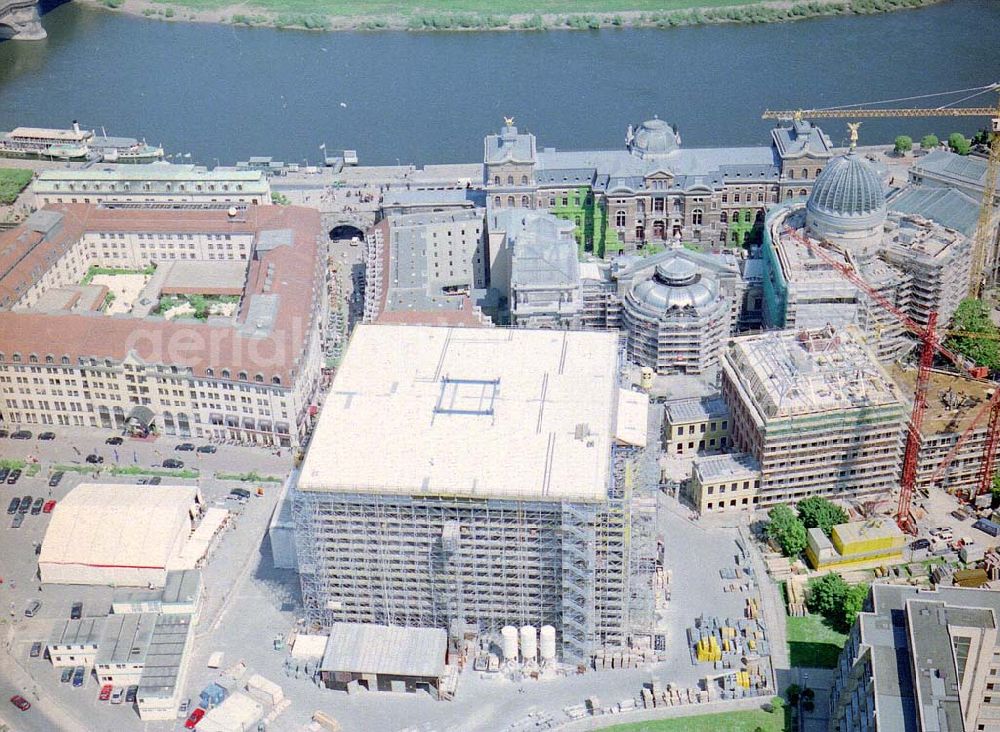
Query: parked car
{"type": "Point", "coordinates": [67, 675]}
{"type": "Point", "coordinates": [987, 526]}
{"type": "Point", "coordinates": [182, 710]}
{"type": "Point", "coordinates": [155, 480]}
{"type": "Point", "coordinates": [207, 449]}
{"type": "Point", "coordinates": [33, 607]}
{"type": "Point", "coordinates": [13, 476]}
{"type": "Point", "coordinates": [240, 492]}
{"type": "Point", "coordinates": [4, 433]}
{"type": "Point", "coordinates": [47, 436]}
{"type": "Point", "coordinates": [960, 514]}
{"type": "Point", "coordinates": [142, 481]}
{"type": "Point", "coordinates": [94, 459]}
{"type": "Point", "coordinates": [25, 504]}
{"type": "Point", "coordinates": [36, 650]}
{"type": "Point", "coordinates": [185, 447]}
{"type": "Point", "coordinates": [76, 612]}
{"type": "Point", "coordinates": [15, 502]}
{"type": "Point", "coordinates": [78, 674]}
{"type": "Point", "coordinates": [920, 544]}
{"type": "Point", "coordinates": [49, 505]}
{"type": "Point", "coordinates": [21, 435]}
{"type": "Point", "coordinates": [130, 694]}
{"type": "Point", "coordinates": [173, 463]}
{"type": "Point", "coordinates": [56, 477]}
{"type": "Point", "coordinates": [36, 507]}
{"type": "Point", "coordinates": [195, 717]}
{"type": "Point", "coordinates": [114, 441]}
{"type": "Point", "coordinates": [4, 472]}
{"type": "Point", "coordinates": [118, 695]}
{"type": "Point", "coordinates": [20, 702]}
{"type": "Point", "coordinates": [938, 530]}
{"type": "Point", "coordinates": [105, 693]}
{"type": "Point", "coordinates": [15, 523]}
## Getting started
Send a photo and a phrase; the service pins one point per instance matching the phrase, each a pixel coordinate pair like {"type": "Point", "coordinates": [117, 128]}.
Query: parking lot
{"type": "Point", "coordinates": [57, 705]}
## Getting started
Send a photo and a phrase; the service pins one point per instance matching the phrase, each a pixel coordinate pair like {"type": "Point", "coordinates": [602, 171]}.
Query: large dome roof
{"type": "Point", "coordinates": [654, 137]}
{"type": "Point", "coordinates": [848, 186]}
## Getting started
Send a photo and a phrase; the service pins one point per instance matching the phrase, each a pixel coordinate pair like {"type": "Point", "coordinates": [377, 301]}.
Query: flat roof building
{"type": "Point", "coordinates": [165, 669]}
{"type": "Point", "coordinates": [443, 408]}
{"type": "Point", "coordinates": [817, 412]}
{"type": "Point", "coordinates": [124, 645]}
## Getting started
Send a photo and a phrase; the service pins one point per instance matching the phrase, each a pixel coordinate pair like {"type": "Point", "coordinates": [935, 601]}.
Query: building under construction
{"type": "Point", "coordinates": [953, 404]}
{"type": "Point", "coordinates": [816, 411]}
{"type": "Point", "coordinates": [457, 475]}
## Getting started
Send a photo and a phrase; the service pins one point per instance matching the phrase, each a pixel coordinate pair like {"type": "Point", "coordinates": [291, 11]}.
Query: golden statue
{"type": "Point", "coordinates": [508, 121]}
{"type": "Point", "coordinates": [853, 127]}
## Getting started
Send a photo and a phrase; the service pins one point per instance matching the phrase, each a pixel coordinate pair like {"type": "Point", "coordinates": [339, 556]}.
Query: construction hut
{"type": "Point", "coordinates": [384, 658]}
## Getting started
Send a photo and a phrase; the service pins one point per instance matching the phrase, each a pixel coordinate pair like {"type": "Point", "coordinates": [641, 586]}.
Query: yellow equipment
{"type": "Point", "coordinates": [981, 241]}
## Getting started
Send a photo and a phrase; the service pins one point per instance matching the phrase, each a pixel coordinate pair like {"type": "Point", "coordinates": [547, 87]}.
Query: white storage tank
{"type": "Point", "coordinates": [548, 643]}
{"type": "Point", "coordinates": [529, 643]}
{"type": "Point", "coordinates": [508, 638]}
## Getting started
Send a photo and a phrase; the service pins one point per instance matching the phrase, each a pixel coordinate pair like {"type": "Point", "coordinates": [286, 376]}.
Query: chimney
{"type": "Point", "coordinates": [76, 127]}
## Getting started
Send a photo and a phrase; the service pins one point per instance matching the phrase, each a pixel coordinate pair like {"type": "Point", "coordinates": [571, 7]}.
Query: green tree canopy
{"type": "Point", "coordinates": [819, 512]}
{"type": "Point", "coordinates": [785, 530]}
{"type": "Point", "coordinates": [854, 600]}
{"type": "Point", "coordinates": [972, 316]}
{"type": "Point", "coordinates": [928, 142]}
{"type": "Point", "coordinates": [825, 595]}
{"type": "Point", "coordinates": [903, 144]}
{"type": "Point", "coordinates": [958, 143]}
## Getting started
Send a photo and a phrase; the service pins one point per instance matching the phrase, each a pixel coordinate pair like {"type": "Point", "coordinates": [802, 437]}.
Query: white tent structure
{"type": "Point", "coordinates": [117, 534]}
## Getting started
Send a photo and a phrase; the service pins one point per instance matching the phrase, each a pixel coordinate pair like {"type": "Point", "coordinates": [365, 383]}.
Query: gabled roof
{"type": "Point", "coordinates": [801, 139]}
{"type": "Point", "coordinates": [947, 206]}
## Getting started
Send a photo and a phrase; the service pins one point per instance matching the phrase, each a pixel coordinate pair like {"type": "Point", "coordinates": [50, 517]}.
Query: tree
{"type": "Point", "coordinates": [785, 530]}
{"type": "Point", "coordinates": [982, 137]}
{"type": "Point", "coordinates": [972, 316]}
{"type": "Point", "coordinates": [825, 595]}
{"type": "Point", "coordinates": [958, 143]}
{"type": "Point", "coordinates": [904, 144]}
{"type": "Point", "coordinates": [995, 491]}
{"type": "Point", "coordinates": [792, 694]}
{"type": "Point", "coordinates": [853, 601]}
{"type": "Point", "coordinates": [929, 142]}
{"type": "Point", "coordinates": [819, 512]}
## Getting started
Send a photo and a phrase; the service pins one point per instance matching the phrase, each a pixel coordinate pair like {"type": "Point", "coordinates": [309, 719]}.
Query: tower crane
{"type": "Point", "coordinates": [981, 241]}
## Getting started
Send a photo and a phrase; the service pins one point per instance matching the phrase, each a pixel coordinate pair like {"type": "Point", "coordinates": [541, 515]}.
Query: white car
{"type": "Point", "coordinates": [118, 695]}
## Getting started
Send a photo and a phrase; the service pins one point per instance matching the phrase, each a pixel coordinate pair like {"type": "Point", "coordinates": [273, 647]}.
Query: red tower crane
{"type": "Point", "coordinates": [929, 346]}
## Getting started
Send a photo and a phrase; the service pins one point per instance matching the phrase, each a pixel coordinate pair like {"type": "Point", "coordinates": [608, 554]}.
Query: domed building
{"type": "Point", "coordinates": [847, 205]}
{"type": "Point", "coordinates": [653, 137]}
{"type": "Point", "coordinates": [678, 320]}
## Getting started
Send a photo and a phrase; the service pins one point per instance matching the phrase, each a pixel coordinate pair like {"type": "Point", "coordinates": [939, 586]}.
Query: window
{"type": "Point", "coordinates": [496, 180]}
{"type": "Point", "coordinates": [620, 219]}
{"type": "Point", "coordinates": [510, 201]}
{"type": "Point", "coordinates": [697, 216]}
{"type": "Point", "coordinates": [524, 180]}
{"type": "Point", "coordinates": [791, 175]}
{"type": "Point", "coordinates": [524, 202]}
{"type": "Point", "coordinates": [736, 198]}
{"type": "Point", "coordinates": [818, 171]}
{"type": "Point", "coordinates": [725, 198]}
{"type": "Point", "coordinates": [510, 180]}
{"type": "Point", "coordinates": [724, 218]}
{"type": "Point", "coordinates": [496, 201]}
{"type": "Point", "coordinates": [803, 192]}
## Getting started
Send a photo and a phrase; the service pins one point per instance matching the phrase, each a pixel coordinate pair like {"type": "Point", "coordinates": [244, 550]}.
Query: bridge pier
{"type": "Point", "coordinates": [21, 20]}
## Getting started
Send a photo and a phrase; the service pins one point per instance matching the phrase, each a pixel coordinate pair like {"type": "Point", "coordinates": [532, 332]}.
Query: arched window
{"type": "Point", "coordinates": [50, 359]}
{"type": "Point", "coordinates": [803, 192]}
{"type": "Point", "coordinates": [620, 219]}
{"type": "Point", "coordinates": [65, 360]}
{"type": "Point", "coordinates": [760, 198]}
{"type": "Point", "coordinates": [791, 175]}
{"type": "Point", "coordinates": [225, 373]}
{"type": "Point", "coordinates": [496, 201]}
{"type": "Point", "coordinates": [736, 197]}
{"type": "Point", "coordinates": [275, 379]}
{"type": "Point", "coordinates": [524, 202]}
{"type": "Point", "coordinates": [723, 218]}
{"type": "Point", "coordinates": [746, 215]}
{"type": "Point", "coordinates": [496, 180]}
{"type": "Point", "coordinates": [258, 378]}
{"type": "Point", "coordinates": [33, 358]}
{"type": "Point", "coordinates": [2, 358]}
{"type": "Point", "coordinates": [805, 172]}
{"type": "Point", "coordinates": [209, 372]}
{"type": "Point", "coordinates": [722, 236]}
{"type": "Point", "coordinates": [524, 180]}
{"type": "Point", "coordinates": [789, 194]}
{"type": "Point", "coordinates": [736, 236]}
{"type": "Point", "coordinates": [697, 217]}
{"type": "Point", "coordinates": [16, 358]}
{"type": "Point", "coordinates": [818, 171]}
{"type": "Point", "coordinates": [242, 376]}
{"type": "Point", "coordinates": [510, 201]}
{"type": "Point", "coordinates": [510, 180]}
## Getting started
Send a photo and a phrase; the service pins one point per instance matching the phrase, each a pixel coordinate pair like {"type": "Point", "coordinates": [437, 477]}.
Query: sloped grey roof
{"type": "Point", "coordinates": [947, 206]}
{"type": "Point", "coordinates": [967, 169]}
{"type": "Point", "coordinates": [800, 139]}
{"type": "Point", "coordinates": [510, 145]}
{"type": "Point", "coordinates": [384, 649]}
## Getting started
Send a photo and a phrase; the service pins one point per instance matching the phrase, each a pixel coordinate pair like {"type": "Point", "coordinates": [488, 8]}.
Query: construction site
{"type": "Point", "coordinates": [444, 530]}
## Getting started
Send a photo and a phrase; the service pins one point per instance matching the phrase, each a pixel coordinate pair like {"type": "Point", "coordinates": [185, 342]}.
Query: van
{"type": "Point", "coordinates": [33, 607]}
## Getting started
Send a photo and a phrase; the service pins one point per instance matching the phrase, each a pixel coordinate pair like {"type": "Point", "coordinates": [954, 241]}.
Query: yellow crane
{"type": "Point", "coordinates": [981, 242]}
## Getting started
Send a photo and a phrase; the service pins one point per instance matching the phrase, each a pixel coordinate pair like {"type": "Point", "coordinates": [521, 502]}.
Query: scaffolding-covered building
{"type": "Point", "coordinates": [456, 474]}
{"type": "Point", "coordinates": [816, 411]}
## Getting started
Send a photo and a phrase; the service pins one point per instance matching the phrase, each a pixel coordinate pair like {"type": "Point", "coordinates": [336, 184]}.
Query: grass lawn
{"type": "Point", "coordinates": [728, 722]}
{"type": "Point", "coordinates": [12, 182]}
{"type": "Point", "coordinates": [813, 643]}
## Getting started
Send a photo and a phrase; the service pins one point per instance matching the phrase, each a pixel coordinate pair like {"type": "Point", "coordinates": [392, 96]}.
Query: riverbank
{"type": "Point", "coordinates": [499, 15]}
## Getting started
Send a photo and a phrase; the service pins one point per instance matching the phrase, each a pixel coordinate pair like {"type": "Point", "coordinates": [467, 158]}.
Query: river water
{"type": "Point", "coordinates": [225, 93]}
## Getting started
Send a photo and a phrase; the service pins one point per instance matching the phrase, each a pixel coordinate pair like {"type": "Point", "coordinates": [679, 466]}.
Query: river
{"type": "Point", "coordinates": [225, 93]}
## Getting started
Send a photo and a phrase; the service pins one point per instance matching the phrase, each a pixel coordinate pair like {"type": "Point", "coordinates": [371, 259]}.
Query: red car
{"type": "Point", "coordinates": [20, 702]}
{"type": "Point", "coordinates": [195, 717]}
{"type": "Point", "coordinates": [105, 693]}
{"type": "Point", "coordinates": [49, 505]}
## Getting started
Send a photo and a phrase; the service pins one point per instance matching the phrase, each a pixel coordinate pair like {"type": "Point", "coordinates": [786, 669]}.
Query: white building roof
{"type": "Point", "coordinates": [197, 545]}
{"type": "Point", "coordinates": [632, 417]}
{"type": "Point", "coordinates": [384, 649]}
{"type": "Point", "coordinates": [489, 412]}
{"type": "Point", "coordinates": [119, 525]}
{"type": "Point", "coordinates": [236, 714]}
